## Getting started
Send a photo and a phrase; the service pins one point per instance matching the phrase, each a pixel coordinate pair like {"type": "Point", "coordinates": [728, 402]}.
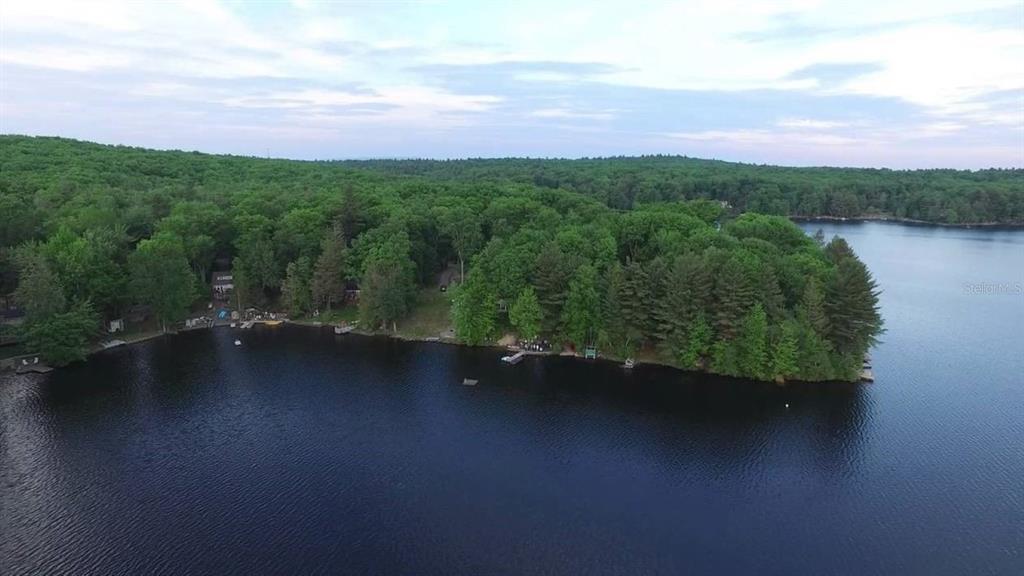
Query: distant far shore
{"type": "Point", "coordinates": [907, 221]}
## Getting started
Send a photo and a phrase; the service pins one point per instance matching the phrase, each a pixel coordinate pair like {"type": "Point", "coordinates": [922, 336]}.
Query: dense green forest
{"type": "Point", "coordinates": [937, 196]}
{"type": "Point", "coordinates": [89, 230]}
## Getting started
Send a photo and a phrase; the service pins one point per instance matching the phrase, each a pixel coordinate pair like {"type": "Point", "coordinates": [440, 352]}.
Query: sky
{"type": "Point", "coordinates": [887, 83]}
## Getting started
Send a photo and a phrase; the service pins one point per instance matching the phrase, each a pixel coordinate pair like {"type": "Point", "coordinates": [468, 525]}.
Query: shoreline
{"type": "Point", "coordinates": [909, 221]}
{"type": "Point", "coordinates": [495, 346]}
{"type": "Point", "coordinates": [152, 335]}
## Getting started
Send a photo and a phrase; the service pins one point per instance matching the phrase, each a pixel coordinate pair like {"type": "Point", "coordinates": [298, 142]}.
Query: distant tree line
{"type": "Point", "coordinates": [937, 196]}
{"type": "Point", "coordinates": [90, 230]}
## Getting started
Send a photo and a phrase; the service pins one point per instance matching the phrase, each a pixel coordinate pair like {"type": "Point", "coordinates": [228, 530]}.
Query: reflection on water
{"type": "Point", "coordinates": [306, 452]}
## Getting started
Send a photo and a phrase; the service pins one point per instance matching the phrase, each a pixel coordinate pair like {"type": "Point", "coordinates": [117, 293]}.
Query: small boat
{"type": "Point", "coordinates": [343, 329]}
{"type": "Point", "coordinates": [272, 322]}
{"type": "Point", "coordinates": [469, 382]}
{"type": "Point", "coordinates": [628, 364]}
{"type": "Point", "coordinates": [238, 342]}
{"type": "Point", "coordinates": [233, 324]}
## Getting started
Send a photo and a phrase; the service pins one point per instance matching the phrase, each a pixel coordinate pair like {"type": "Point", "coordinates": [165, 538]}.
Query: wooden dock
{"type": "Point", "coordinates": [33, 367]}
{"type": "Point", "coordinates": [514, 358]}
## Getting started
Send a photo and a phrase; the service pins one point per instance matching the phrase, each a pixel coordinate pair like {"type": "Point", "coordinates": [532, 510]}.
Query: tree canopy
{"type": "Point", "coordinates": [656, 254]}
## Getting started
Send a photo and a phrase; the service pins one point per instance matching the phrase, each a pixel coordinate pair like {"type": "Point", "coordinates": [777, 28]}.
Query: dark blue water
{"type": "Point", "coordinates": [305, 452]}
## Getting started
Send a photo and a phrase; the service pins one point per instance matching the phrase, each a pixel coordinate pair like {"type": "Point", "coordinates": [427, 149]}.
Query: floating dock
{"type": "Point", "coordinates": [35, 367]}
{"type": "Point", "coordinates": [514, 358]}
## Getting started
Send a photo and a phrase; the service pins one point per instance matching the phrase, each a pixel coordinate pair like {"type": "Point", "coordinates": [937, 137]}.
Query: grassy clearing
{"type": "Point", "coordinates": [430, 316]}
{"type": "Point", "coordinates": [346, 314]}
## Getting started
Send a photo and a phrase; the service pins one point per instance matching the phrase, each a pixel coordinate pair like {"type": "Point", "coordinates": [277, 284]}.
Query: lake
{"type": "Point", "coordinates": [305, 452]}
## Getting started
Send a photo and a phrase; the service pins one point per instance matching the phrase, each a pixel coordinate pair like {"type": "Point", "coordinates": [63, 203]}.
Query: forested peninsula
{"type": "Point", "coordinates": [661, 258]}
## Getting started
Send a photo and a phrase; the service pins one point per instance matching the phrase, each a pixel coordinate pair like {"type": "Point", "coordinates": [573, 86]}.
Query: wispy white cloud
{"type": "Point", "coordinates": [572, 114]}
{"type": "Point", "coordinates": [810, 123]}
{"type": "Point", "coordinates": [778, 75]}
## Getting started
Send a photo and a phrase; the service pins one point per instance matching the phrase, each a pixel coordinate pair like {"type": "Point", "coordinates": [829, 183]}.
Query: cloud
{"type": "Point", "coordinates": [783, 81]}
{"type": "Point", "coordinates": [572, 114]}
{"type": "Point", "coordinates": [808, 123]}
{"type": "Point", "coordinates": [766, 138]}
{"type": "Point", "coordinates": [833, 74]}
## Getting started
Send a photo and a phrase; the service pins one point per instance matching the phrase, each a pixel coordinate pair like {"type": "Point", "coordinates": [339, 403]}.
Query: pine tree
{"type": "Point", "coordinates": [39, 290]}
{"type": "Point", "coordinates": [725, 358]}
{"type": "Point", "coordinates": [813, 359]}
{"type": "Point", "coordinates": [551, 279]}
{"type": "Point", "coordinates": [752, 344]}
{"type": "Point", "coordinates": [660, 321]}
{"type": "Point", "coordinates": [697, 343]}
{"type": "Point", "coordinates": [769, 293]}
{"type": "Point", "coordinates": [525, 314]}
{"type": "Point", "coordinates": [734, 295]}
{"type": "Point", "coordinates": [688, 293]}
{"type": "Point", "coordinates": [388, 282]}
{"type": "Point", "coordinates": [636, 299]}
{"type": "Point", "coordinates": [474, 310]}
{"type": "Point", "coordinates": [581, 317]}
{"type": "Point", "coordinates": [295, 291]}
{"type": "Point", "coordinates": [784, 351]}
{"type": "Point", "coordinates": [616, 334]}
{"type": "Point", "coordinates": [852, 308]}
{"type": "Point", "coordinates": [812, 308]}
{"type": "Point", "coordinates": [328, 283]}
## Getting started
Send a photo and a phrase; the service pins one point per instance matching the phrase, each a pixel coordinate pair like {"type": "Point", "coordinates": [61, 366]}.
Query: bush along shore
{"type": "Point", "coordinates": [97, 232]}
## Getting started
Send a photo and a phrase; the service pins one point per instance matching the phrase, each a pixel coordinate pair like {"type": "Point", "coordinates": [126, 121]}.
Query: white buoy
{"type": "Point", "coordinates": [239, 343]}
{"type": "Point", "coordinates": [787, 405]}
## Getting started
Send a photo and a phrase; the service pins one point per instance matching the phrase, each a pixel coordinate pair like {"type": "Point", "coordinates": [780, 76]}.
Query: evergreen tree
{"type": "Point", "coordinates": [388, 283]}
{"type": "Point", "coordinates": [661, 315]}
{"type": "Point", "coordinates": [551, 279]}
{"type": "Point", "coordinates": [813, 359]}
{"type": "Point", "coordinates": [734, 295]}
{"type": "Point", "coordinates": [784, 353]}
{"type": "Point", "coordinates": [39, 291]}
{"type": "Point", "coordinates": [688, 296]}
{"type": "Point", "coordinates": [327, 286]}
{"type": "Point", "coordinates": [474, 310]}
{"type": "Point", "coordinates": [525, 314]}
{"type": "Point", "coordinates": [581, 317]}
{"type": "Point", "coordinates": [725, 358]}
{"type": "Point", "coordinates": [616, 334]}
{"type": "Point", "coordinates": [295, 288]}
{"type": "Point", "coordinates": [636, 299]}
{"type": "Point", "coordinates": [349, 222]}
{"type": "Point", "coordinates": [811, 309]}
{"type": "Point", "coordinates": [697, 343]}
{"type": "Point", "coordinates": [752, 344]}
{"type": "Point", "coordinates": [769, 293]}
{"type": "Point", "coordinates": [852, 308]}
{"type": "Point", "coordinates": [256, 252]}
